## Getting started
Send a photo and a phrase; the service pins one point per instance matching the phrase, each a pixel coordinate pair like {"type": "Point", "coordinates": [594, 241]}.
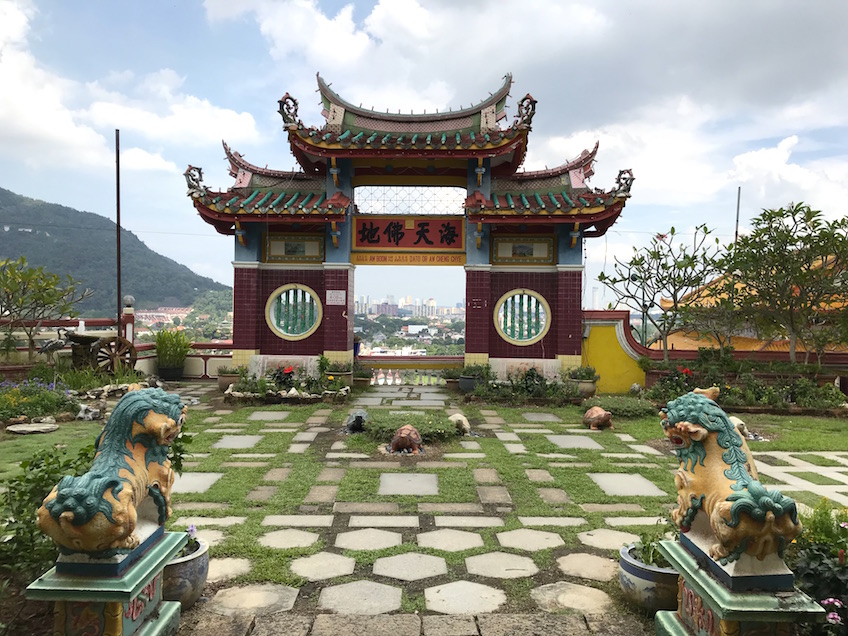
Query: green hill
{"type": "Point", "coordinates": [82, 244]}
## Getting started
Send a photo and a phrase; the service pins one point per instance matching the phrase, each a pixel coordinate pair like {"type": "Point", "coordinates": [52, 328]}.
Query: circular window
{"type": "Point", "coordinates": [293, 311]}
{"type": "Point", "coordinates": [522, 317]}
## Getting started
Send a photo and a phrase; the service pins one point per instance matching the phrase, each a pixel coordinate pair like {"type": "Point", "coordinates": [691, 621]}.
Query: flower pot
{"type": "Point", "coordinates": [225, 380]}
{"type": "Point", "coordinates": [586, 388]}
{"type": "Point", "coordinates": [649, 587]}
{"type": "Point", "coordinates": [362, 382]}
{"type": "Point", "coordinates": [184, 577]}
{"type": "Point", "coordinates": [467, 383]}
{"type": "Point", "coordinates": [170, 373]}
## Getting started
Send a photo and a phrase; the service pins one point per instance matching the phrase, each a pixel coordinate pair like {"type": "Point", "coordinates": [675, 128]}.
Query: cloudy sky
{"type": "Point", "coordinates": [698, 98]}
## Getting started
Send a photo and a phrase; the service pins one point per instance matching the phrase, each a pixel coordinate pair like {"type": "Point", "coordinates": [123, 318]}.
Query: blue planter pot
{"type": "Point", "coordinates": [468, 382]}
{"type": "Point", "coordinates": [184, 577]}
{"type": "Point", "coordinates": [647, 586]}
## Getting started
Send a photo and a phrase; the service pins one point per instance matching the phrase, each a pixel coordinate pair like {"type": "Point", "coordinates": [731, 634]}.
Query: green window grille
{"type": "Point", "coordinates": [522, 316]}
{"type": "Point", "coordinates": [293, 312]}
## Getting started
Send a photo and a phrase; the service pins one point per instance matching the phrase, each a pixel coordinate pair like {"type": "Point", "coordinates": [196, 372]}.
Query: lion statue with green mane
{"type": "Point", "coordinates": [718, 478]}
{"type": "Point", "coordinates": [98, 513]}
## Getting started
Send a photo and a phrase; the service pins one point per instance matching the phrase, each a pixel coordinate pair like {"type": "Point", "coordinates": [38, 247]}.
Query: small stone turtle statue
{"type": "Point", "coordinates": [356, 421]}
{"type": "Point", "coordinates": [407, 439]}
{"type": "Point", "coordinates": [597, 418]}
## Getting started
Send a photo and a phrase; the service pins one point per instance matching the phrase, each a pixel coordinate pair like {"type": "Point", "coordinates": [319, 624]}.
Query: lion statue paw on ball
{"type": "Point", "coordinates": [97, 513]}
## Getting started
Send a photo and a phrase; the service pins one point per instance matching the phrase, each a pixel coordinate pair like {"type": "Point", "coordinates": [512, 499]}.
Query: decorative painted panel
{"type": "Point", "coordinates": [523, 250]}
{"type": "Point", "coordinates": [293, 248]}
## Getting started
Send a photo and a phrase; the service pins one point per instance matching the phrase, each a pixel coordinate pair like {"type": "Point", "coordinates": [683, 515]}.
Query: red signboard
{"type": "Point", "coordinates": [409, 233]}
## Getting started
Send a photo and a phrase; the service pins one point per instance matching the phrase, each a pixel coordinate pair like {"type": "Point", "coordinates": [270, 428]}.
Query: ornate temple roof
{"type": "Point", "coordinates": [260, 194]}
{"type": "Point", "coordinates": [358, 133]}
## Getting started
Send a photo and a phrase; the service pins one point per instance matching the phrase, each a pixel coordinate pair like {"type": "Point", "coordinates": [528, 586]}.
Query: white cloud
{"type": "Point", "coordinates": [141, 160]}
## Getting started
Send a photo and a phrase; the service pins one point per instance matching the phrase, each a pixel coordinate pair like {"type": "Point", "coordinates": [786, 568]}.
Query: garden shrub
{"type": "Point", "coordinates": [622, 405]}
{"type": "Point", "coordinates": [34, 398]}
{"type": "Point", "coordinates": [433, 427]}
{"type": "Point", "coordinates": [818, 561]}
{"type": "Point", "coordinates": [24, 549]}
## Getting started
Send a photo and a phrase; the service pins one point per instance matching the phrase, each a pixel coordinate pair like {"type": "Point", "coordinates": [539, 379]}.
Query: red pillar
{"type": "Point", "coordinates": [477, 314]}
{"type": "Point", "coordinates": [247, 311]}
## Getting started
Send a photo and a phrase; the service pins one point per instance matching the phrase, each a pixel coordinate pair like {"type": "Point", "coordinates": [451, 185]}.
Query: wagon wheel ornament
{"type": "Point", "coordinates": [116, 352]}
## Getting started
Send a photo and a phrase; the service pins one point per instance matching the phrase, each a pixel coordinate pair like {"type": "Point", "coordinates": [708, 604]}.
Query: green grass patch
{"type": "Point", "coordinates": [819, 480]}
{"type": "Point", "coordinates": [797, 433]}
{"type": "Point", "coordinates": [805, 497]}
{"type": "Point", "coordinates": [433, 426]}
{"type": "Point", "coordinates": [818, 460]}
{"type": "Point", "coordinates": [771, 460]}
{"type": "Point", "coordinates": [16, 448]}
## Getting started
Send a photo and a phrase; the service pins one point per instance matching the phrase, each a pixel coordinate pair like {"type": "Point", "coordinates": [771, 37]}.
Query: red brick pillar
{"type": "Point", "coordinates": [568, 314]}
{"type": "Point", "coordinates": [248, 311]}
{"type": "Point", "coordinates": [338, 312]}
{"type": "Point", "coordinates": [478, 319]}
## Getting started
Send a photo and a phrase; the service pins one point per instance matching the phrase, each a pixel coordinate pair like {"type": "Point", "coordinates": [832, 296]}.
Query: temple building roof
{"type": "Point", "coordinates": [260, 194]}
{"type": "Point", "coordinates": [358, 133]}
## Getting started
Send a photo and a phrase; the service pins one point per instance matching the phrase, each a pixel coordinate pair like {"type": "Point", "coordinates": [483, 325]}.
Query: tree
{"type": "Point", "coordinates": [717, 314]}
{"type": "Point", "coordinates": [664, 271]}
{"type": "Point", "coordinates": [32, 294]}
{"type": "Point", "coordinates": [792, 268]}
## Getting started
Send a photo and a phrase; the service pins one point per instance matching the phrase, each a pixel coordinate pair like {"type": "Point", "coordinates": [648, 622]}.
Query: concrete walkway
{"type": "Point", "coordinates": [557, 569]}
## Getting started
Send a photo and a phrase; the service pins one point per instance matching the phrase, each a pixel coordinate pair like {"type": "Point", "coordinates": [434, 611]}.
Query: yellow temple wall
{"type": "Point", "coordinates": [609, 349]}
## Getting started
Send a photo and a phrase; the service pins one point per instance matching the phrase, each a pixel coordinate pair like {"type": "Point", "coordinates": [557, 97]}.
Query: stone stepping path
{"type": "Point", "coordinates": [314, 529]}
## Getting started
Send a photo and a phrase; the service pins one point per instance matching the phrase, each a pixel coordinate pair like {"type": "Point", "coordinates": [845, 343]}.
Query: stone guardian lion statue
{"type": "Point", "coordinates": [717, 477]}
{"type": "Point", "coordinates": [97, 513]}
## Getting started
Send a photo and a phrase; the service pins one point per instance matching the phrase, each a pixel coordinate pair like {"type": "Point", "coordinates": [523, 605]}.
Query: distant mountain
{"type": "Point", "coordinates": [82, 244]}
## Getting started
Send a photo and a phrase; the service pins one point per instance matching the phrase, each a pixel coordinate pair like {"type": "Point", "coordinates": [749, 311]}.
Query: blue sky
{"type": "Point", "coordinates": [697, 98]}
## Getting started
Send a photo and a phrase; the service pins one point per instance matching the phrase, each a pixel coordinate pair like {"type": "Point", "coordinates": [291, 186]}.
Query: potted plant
{"type": "Point", "coordinates": [585, 378]}
{"type": "Point", "coordinates": [172, 348]}
{"type": "Point", "coordinates": [451, 378]}
{"type": "Point", "coordinates": [185, 575]}
{"type": "Point", "coordinates": [473, 374]}
{"type": "Point", "coordinates": [228, 376]}
{"type": "Point", "coordinates": [338, 371]}
{"type": "Point", "coordinates": [647, 579]}
{"type": "Point", "coordinates": [361, 376]}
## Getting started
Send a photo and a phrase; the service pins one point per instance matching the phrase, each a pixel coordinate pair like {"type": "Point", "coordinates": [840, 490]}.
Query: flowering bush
{"type": "Point", "coordinates": [818, 560]}
{"type": "Point", "coordinates": [33, 398]}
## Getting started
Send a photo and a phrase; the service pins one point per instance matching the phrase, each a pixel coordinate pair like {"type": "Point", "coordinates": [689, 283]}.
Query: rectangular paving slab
{"type": "Point", "coordinates": [408, 484]}
{"type": "Point", "coordinates": [237, 441]}
{"type": "Point", "coordinates": [370, 521]}
{"type": "Point", "coordinates": [626, 485]}
{"type": "Point", "coordinates": [268, 416]}
{"type": "Point", "coordinates": [493, 495]}
{"type": "Point", "coordinates": [194, 482]}
{"type": "Point", "coordinates": [365, 508]}
{"type": "Point", "coordinates": [540, 417]}
{"type": "Point", "coordinates": [574, 441]}
{"type": "Point", "coordinates": [321, 494]}
{"type": "Point", "coordinates": [444, 521]}
{"type": "Point", "coordinates": [299, 521]}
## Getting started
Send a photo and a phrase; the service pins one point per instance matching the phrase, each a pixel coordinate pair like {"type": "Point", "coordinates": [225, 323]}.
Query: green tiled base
{"type": "Point", "coordinates": [128, 605]}
{"type": "Point", "coordinates": [166, 624]}
{"type": "Point", "coordinates": [706, 606]}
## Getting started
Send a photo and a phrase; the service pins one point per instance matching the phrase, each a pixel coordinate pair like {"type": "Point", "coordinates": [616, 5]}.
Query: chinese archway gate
{"type": "Point", "coordinates": [298, 235]}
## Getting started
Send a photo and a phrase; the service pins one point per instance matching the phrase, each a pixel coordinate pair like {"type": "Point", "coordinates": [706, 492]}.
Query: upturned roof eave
{"type": "Point", "coordinates": [333, 97]}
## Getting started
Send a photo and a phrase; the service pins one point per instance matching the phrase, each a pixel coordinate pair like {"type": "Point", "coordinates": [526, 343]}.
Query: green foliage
{"type": "Point", "coordinates": [646, 548]}
{"type": "Point", "coordinates": [238, 370]}
{"type": "Point", "coordinates": [29, 293]}
{"type": "Point", "coordinates": [664, 270]}
{"type": "Point", "coordinates": [33, 398]}
{"type": "Point", "coordinates": [23, 547]}
{"type": "Point", "coordinates": [361, 372]}
{"type": "Point", "coordinates": [179, 448]}
{"type": "Point", "coordinates": [622, 405]}
{"type": "Point", "coordinates": [818, 561]}
{"type": "Point", "coordinates": [251, 383]}
{"type": "Point", "coordinates": [450, 374]}
{"type": "Point", "coordinates": [433, 427]}
{"type": "Point", "coordinates": [479, 371]}
{"type": "Point", "coordinates": [526, 384]}
{"type": "Point", "coordinates": [671, 386]}
{"type": "Point", "coordinates": [791, 264]}
{"type": "Point", "coordinates": [583, 373]}
{"type": "Point", "coordinates": [172, 347]}
{"type": "Point", "coordinates": [78, 243]}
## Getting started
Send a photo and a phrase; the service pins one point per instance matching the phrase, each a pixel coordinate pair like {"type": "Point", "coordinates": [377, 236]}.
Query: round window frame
{"type": "Point", "coordinates": [282, 289]}
{"type": "Point", "coordinates": [537, 337]}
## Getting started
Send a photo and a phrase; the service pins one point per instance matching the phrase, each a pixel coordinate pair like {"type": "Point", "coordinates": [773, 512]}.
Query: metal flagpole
{"type": "Point", "coordinates": [118, 219]}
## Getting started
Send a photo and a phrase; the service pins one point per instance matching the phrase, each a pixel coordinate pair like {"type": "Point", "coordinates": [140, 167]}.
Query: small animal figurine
{"type": "Point", "coordinates": [356, 421]}
{"type": "Point", "coordinates": [407, 439]}
{"type": "Point", "coordinates": [462, 425]}
{"type": "Point", "coordinates": [597, 418]}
